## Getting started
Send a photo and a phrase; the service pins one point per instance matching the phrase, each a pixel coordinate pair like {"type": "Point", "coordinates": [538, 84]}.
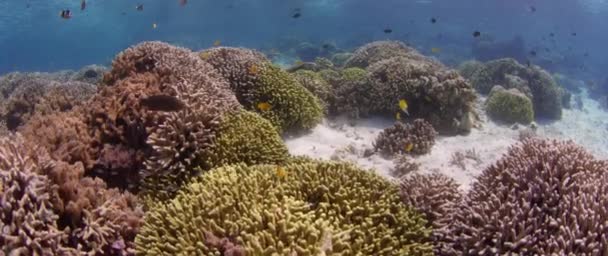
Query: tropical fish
{"type": "Point", "coordinates": [139, 7]}
{"type": "Point", "coordinates": [281, 172]}
{"type": "Point", "coordinates": [205, 55]}
{"type": "Point", "coordinates": [403, 106]}
{"type": "Point", "coordinates": [298, 62]}
{"type": "Point", "coordinates": [217, 43]}
{"type": "Point", "coordinates": [65, 14]}
{"type": "Point", "coordinates": [296, 13]}
{"type": "Point", "coordinates": [83, 5]}
{"type": "Point", "coordinates": [162, 103]}
{"type": "Point", "coordinates": [433, 20]}
{"type": "Point", "coordinates": [154, 26]}
{"type": "Point", "coordinates": [388, 31]}
{"type": "Point", "coordinates": [253, 69]}
{"type": "Point", "coordinates": [398, 116]}
{"type": "Point", "coordinates": [476, 34]}
{"type": "Point", "coordinates": [409, 147]}
{"type": "Point", "coordinates": [435, 50]}
{"type": "Point", "coordinates": [264, 106]}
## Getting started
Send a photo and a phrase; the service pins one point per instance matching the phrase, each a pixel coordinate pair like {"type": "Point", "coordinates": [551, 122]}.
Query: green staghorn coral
{"type": "Point", "coordinates": [293, 107]}
{"type": "Point", "coordinates": [316, 208]}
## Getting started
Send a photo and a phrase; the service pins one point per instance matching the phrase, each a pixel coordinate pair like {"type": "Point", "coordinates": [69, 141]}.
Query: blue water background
{"type": "Point", "coordinates": [37, 39]}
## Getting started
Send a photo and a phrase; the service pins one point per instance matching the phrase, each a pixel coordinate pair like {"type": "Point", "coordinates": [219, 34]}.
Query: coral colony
{"type": "Point", "coordinates": [174, 152]}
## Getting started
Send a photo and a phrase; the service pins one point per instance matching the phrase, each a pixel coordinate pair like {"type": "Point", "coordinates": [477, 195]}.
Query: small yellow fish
{"type": "Point", "coordinates": [398, 116]}
{"type": "Point", "coordinates": [409, 147]}
{"type": "Point", "coordinates": [298, 62]}
{"type": "Point", "coordinates": [435, 50]}
{"type": "Point", "coordinates": [217, 43]}
{"type": "Point", "coordinates": [153, 25]}
{"type": "Point", "coordinates": [205, 55]}
{"type": "Point", "coordinates": [253, 69]}
{"type": "Point", "coordinates": [403, 106]}
{"type": "Point", "coordinates": [263, 106]}
{"type": "Point", "coordinates": [281, 172]}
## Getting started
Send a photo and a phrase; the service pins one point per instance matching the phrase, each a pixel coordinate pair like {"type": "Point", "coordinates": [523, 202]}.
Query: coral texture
{"type": "Point", "coordinates": [315, 83]}
{"type": "Point", "coordinates": [401, 138]}
{"type": "Point", "coordinates": [435, 93]}
{"type": "Point", "coordinates": [256, 81]}
{"type": "Point", "coordinates": [533, 81]}
{"type": "Point", "coordinates": [509, 106]}
{"type": "Point", "coordinates": [373, 52]}
{"type": "Point", "coordinates": [352, 93]}
{"type": "Point", "coordinates": [304, 209]}
{"type": "Point", "coordinates": [542, 198]}
{"type": "Point", "coordinates": [155, 142]}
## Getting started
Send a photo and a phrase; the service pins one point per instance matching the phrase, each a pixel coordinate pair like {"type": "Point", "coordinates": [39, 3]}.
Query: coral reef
{"type": "Point", "coordinates": [42, 96]}
{"type": "Point", "coordinates": [373, 52]}
{"type": "Point", "coordinates": [316, 84]}
{"type": "Point", "coordinates": [404, 166]}
{"type": "Point", "coordinates": [351, 92]}
{"type": "Point", "coordinates": [304, 209]}
{"type": "Point", "coordinates": [155, 141]}
{"type": "Point", "coordinates": [509, 106]}
{"type": "Point", "coordinates": [401, 138]}
{"type": "Point", "coordinates": [546, 95]}
{"type": "Point", "coordinates": [438, 95]}
{"type": "Point", "coordinates": [543, 197]}
{"type": "Point", "coordinates": [255, 81]}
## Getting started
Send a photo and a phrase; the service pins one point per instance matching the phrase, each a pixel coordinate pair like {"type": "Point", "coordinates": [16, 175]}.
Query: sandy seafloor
{"type": "Point", "coordinates": [337, 139]}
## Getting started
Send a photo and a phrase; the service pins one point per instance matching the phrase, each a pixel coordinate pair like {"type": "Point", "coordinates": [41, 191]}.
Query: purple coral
{"type": "Point", "coordinates": [542, 198]}
{"type": "Point", "coordinates": [415, 138]}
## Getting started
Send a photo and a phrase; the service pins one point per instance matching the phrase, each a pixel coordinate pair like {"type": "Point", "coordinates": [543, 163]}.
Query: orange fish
{"type": "Point", "coordinates": [263, 106]}
{"type": "Point", "coordinates": [253, 69]}
{"type": "Point", "coordinates": [409, 147]}
{"type": "Point", "coordinates": [281, 173]}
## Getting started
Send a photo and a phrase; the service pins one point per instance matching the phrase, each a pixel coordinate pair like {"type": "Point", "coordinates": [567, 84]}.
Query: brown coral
{"type": "Point", "coordinates": [43, 97]}
{"type": "Point", "coordinates": [542, 198]}
{"type": "Point", "coordinates": [373, 52]}
{"type": "Point", "coordinates": [435, 93]}
{"type": "Point", "coordinates": [120, 119]}
{"type": "Point", "coordinates": [415, 138]}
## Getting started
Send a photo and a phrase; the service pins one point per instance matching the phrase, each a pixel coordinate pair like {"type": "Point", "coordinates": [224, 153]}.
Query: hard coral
{"type": "Point", "coordinates": [256, 81]}
{"type": "Point", "coordinates": [533, 81]}
{"type": "Point", "coordinates": [297, 210]}
{"type": "Point", "coordinates": [316, 84]}
{"type": "Point", "coordinates": [542, 198]}
{"type": "Point", "coordinates": [438, 95]}
{"type": "Point", "coordinates": [509, 106]}
{"type": "Point", "coordinates": [28, 223]}
{"type": "Point", "coordinates": [120, 120]}
{"type": "Point", "coordinates": [373, 52]}
{"type": "Point", "coordinates": [352, 93]}
{"type": "Point", "coordinates": [415, 138]}
{"type": "Point", "coordinates": [43, 97]}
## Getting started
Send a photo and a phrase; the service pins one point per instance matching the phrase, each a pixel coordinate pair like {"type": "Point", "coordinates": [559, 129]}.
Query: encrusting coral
{"type": "Point", "coordinates": [258, 83]}
{"type": "Point", "coordinates": [405, 138]}
{"type": "Point", "coordinates": [509, 106]}
{"type": "Point", "coordinates": [304, 209]}
{"type": "Point", "coordinates": [542, 198]}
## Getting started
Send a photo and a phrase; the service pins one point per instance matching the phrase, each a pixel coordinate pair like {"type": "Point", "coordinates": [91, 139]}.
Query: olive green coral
{"type": "Point", "coordinates": [246, 137]}
{"type": "Point", "coordinates": [303, 209]}
{"type": "Point", "coordinates": [509, 106]}
{"type": "Point", "coordinates": [316, 84]}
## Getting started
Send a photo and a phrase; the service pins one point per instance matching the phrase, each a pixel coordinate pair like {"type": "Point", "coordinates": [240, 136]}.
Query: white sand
{"type": "Point", "coordinates": [338, 140]}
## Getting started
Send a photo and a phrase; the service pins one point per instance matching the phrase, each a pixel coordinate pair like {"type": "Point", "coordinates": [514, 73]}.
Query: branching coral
{"type": "Point", "coordinates": [404, 165]}
{"type": "Point", "coordinates": [543, 198]}
{"type": "Point", "coordinates": [438, 95]}
{"type": "Point", "coordinates": [415, 138]}
{"type": "Point", "coordinates": [316, 85]}
{"type": "Point", "coordinates": [352, 93]}
{"type": "Point", "coordinates": [256, 81]}
{"type": "Point", "coordinates": [172, 140]}
{"type": "Point", "coordinates": [304, 209]}
{"type": "Point", "coordinates": [43, 97]}
{"type": "Point", "coordinates": [28, 223]}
